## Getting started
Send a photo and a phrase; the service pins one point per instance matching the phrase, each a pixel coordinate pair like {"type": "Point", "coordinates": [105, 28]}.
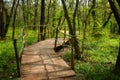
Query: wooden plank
{"type": "Point", "coordinates": [26, 59]}
{"type": "Point", "coordinates": [40, 62]}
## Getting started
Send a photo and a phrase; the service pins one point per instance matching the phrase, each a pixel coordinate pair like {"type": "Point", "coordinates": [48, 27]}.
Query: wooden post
{"type": "Point", "coordinates": [72, 58]}
{"type": "Point", "coordinates": [39, 33]}
{"type": "Point", "coordinates": [49, 31]}
{"type": "Point", "coordinates": [72, 53]}
{"type": "Point", "coordinates": [56, 37]}
{"type": "Point", "coordinates": [64, 33]}
{"type": "Point", "coordinates": [17, 56]}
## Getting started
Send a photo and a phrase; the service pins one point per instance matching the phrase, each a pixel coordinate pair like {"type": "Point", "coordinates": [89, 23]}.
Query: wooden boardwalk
{"type": "Point", "coordinates": [40, 62]}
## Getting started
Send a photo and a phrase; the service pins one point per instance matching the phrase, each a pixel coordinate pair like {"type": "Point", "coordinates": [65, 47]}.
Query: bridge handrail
{"type": "Point", "coordinates": [18, 54]}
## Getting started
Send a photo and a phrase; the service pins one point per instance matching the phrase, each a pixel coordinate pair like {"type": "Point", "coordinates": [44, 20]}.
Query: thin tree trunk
{"type": "Point", "coordinates": [94, 16]}
{"type": "Point", "coordinates": [74, 16]}
{"type": "Point", "coordinates": [48, 13]}
{"type": "Point", "coordinates": [14, 19]}
{"type": "Point", "coordinates": [117, 66]}
{"type": "Point", "coordinates": [48, 17]}
{"type": "Point", "coordinates": [78, 19]}
{"type": "Point", "coordinates": [7, 20]}
{"type": "Point", "coordinates": [71, 32]}
{"type": "Point", "coordinates": [84, 24]}
{"type": "Point", "coordinates": [35, 14]}
{"type": "Point", "coordinates": [27, 13]}
{"type": "Point", "coordinates": [118, 2]}
{"type": "Point", "coordinates": [1, 19]}
{"type": "Point", "coordinates": [116, 10]}
{"type": "Point", "coordinates": [57, 31]}
{"type": "Point", "coordinates": [105, 23]}
{"type": "Point", "coordinates": [53, 17]}
{"type": "Point", "coordinates": [115, 6]}
{"type": "Point", "coordinates": [42, 20]}
{"type": "Point", "coordinates": [24, 14]}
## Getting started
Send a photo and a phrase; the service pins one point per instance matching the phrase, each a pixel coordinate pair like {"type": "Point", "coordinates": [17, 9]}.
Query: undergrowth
{"type": "Point", "coordinates": [100, 56]}
{"type": "Point", "coordinates": [8, 67]}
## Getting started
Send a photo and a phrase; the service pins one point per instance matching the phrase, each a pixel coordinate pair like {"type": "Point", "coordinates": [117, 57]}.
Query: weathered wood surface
{"type": "Point", "coordinates": [40, 62]}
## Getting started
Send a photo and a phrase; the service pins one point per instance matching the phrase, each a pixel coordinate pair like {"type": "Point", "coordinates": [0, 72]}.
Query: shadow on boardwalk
{"type": "Point", "coordinates": [40, 62]}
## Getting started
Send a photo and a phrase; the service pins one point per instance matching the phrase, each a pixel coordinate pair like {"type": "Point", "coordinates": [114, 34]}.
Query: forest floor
{"type": "Point", "coordinates": [100, 56]}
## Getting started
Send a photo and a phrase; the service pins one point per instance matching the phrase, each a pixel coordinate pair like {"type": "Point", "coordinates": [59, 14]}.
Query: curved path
{"type": "Point", "coordinates": [40, 62]}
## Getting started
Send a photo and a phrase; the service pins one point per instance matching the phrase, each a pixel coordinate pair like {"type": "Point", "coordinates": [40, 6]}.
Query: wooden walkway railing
{"type": "Point", "coordinates": [18, 53]}
{"type": "Point", "coordinates": [21, 58]}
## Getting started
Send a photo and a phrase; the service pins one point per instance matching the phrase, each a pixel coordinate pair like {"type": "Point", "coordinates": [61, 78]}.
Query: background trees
{"type": "Point", "coordinates": [6, 17]}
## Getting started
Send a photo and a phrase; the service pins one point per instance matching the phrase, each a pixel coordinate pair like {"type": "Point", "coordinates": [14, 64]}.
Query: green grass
{"type": "Point", "coordinates": [7, 61]}
{"type": "Point", "coordinates": [100, 57]}
{"type": "Point", "coordinates": [95, 71]}
{"type": "Point", "coordinates": [8, 67]}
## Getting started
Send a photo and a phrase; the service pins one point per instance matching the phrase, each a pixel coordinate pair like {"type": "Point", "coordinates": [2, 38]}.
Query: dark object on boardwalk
{"type": "Point", "coordinates": [58, 48]}
{"type": "Point", "coordinates": [64, 45]}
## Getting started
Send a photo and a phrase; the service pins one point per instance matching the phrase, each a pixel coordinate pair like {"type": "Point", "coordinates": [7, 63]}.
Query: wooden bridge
{"type": "Point", "coordinates": [40, 62]}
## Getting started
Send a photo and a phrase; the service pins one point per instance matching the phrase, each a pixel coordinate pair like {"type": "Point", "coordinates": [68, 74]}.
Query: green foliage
{"type": "Point", "coordinates": [67, 57]}
{"type": "Point", "coordinates": [101, 46]}
{"type": "Point", "coordinates": [98, 49]}
{"type": "Point", "coordinates": [95, 71]}
{"type": "Point", "coordinates": [31, 37]}
{"type": "Point", "coordinates": [7, 61]}
{"type": "Point", "coordinates": [8, 67]}
{"type": "Point", "coordinates": [100, 57]}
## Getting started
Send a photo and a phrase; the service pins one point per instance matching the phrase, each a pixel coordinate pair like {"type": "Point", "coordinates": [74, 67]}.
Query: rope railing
{"type": "Point", "coordinates": [53, 28]}
{"type": "Point", "coordinates": [18, 54]}
{"type": "Point", "coordinates": [67, 33]}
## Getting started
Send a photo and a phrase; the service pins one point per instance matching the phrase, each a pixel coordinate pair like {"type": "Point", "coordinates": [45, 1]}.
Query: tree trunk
{"type": "Point", "coordinates": [24, 14]}
{"type": "Point", "coordinates": [14, 19]}
{"type": "Point", "coordinates": [71, 32]}
{"type": "Point", "coordinates": [35, 14]}
{"type": "Point", "coordinates": [109, 17]}
{"type": "Point", "coordinates": [57, 31]}
{"type": "Point", "coordinates": [1, 19]}
{"type": "Point", "coordinates": [53, 17]}
{"type": "Point", "coordinates": [42, 20]}
{"type": "Point", "coordinates": [118, 2]}
{"type": "Point", "coordinates": [9, 18]}
{"type": "Point", "coordinates": [94, 16]}
{"type": "Point", "coordinates": [116, 10]}
{"type": "Point", "coordinates": [117, 66]}
{"type": "Point", "coordinates": [74, 16]}
{"type": "Point", "coordinates": [4, 27]}
{"type": "Point", "coordinates": [48, 13]}
{"type": "Point", "coordinates": [48, 17]}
